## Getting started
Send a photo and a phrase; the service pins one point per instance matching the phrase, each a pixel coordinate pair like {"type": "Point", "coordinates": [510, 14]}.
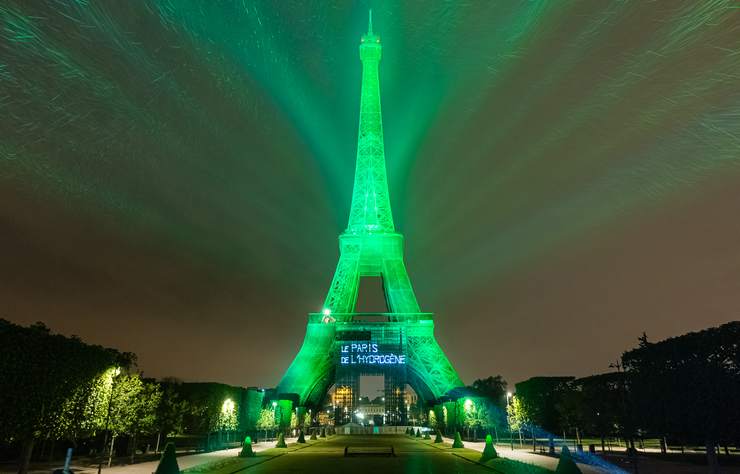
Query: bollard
{"type": "Point", "coordinates": [67, 460]}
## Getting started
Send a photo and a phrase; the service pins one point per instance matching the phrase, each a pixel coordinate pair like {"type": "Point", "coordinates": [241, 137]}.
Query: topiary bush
{"type": "Point", "coordinates": [567, 465]}
{"type": "Point", "coordinates": [489, 451]}
{"type": "Point", "coordinates": [458, 441]}
{"type": "Point", "coordinates": [438, 437]}
{"type": "Point", "coordinates": [246, 451]}
{"type": "Point", "coordinates": [168, 461]}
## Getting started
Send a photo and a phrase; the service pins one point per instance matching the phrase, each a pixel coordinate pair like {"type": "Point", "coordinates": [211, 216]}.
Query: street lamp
{"type": "Point", "coordinates": [508, 422]}
{"type": "Point", "coordinates": [227, 418]}
{"type": "Point", "coordinates": [468, 406]}
{"type": "Point", "coordinates": [116, 373]}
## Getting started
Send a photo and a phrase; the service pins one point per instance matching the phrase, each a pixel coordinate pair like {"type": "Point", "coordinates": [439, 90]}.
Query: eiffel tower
{"type": "Point", "coordinates": [340, 344]}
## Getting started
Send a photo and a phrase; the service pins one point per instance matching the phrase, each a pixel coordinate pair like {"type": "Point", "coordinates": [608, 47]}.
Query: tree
{"type": "Point", "coordinates": [432, 420]}
{"type": "Point", "coordinates": [171, 411]}
{"type": "Point", "coordinates": [227, 420]}
{"type": "Point", "coordinates": [688, 386]}
{"type": "Point", "coordinates": [266, 421]}
{"type": "Point", "coordinates": [539, 396]}
{"type": "Point", "coordinates": [570, 407]}
{"type": "Point", "coordinates": [476, 413]}
{"type": "Point", "coordinates": [133, 407]}
{"type": "Point", "coordinates": [494, 388]}
{"type": "Point", "coordinates": [145, 409]}
{"type": "Point", "coordinates": [596, 404]}
{"type": "Point", "coordinates": [206, 402]}
{"type": "Point", "coordinates": [517, 415]}
{"type": "Point", "coordinates": [44, 380]}
{"type": "Point", "coordinates": [294, 420]}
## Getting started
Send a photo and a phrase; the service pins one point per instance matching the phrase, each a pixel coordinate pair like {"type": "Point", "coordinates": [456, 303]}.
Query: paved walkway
{"type": "Point", "coordinates": [185, 462]}
{"type": "Point", "coordinates": [411, 457]}
{"type": "Point", "coordinates": [548, 462]}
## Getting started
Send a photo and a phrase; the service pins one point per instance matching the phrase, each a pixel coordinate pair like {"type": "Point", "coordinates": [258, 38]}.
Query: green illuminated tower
{"type": "Point", "coordinates": [370, 246]}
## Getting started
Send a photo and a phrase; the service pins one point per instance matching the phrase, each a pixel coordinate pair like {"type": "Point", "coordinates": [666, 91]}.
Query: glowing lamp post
{"type": "Point", "coordinates": [116, 372]}
{"type": "Point", "coordinates": [227, 417]}
{"type": "Point", "coordinates": [468, 406]}
{"type": "Point", "coordinates": [508, 421]}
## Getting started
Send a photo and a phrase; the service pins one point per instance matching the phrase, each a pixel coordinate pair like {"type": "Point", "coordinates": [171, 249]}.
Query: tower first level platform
{"type": "Point", "coordinates": [341, 347]}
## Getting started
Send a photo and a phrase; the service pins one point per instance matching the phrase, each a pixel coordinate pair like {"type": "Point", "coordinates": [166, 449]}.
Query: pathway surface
{"type": "Point", "coordinates": [411, 457]}
{"type": "Point", "coordinates": [548, 462]}
{"type": "Point", "coordinates": [184, 462]}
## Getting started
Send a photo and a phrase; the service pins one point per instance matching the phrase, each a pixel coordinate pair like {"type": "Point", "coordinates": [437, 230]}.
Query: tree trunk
{"type": "Point", "coordinates": [133, 447]}
{"type": "Point", "coordinates": [534, 440]}
{"type": "Point", "coordinates": [110, 452]}
{"type": "Point", "coordinates": [156, 450]}
{"type": "Point", "coordinates": [42, 449]}
{"type": "Point", "coordinates": [712, 457]}
{"type": "Point", "coordinates": [51, 450]}
{"type": "Point", "coordinates": [26, 452]}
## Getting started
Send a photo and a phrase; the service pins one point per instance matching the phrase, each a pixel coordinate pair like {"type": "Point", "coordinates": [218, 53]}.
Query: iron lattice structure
{"type": "Point", "coordinates": [370, 246]}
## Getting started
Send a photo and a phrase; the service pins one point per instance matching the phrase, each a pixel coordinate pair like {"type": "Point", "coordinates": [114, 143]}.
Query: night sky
{"type": "Point", "coordinates": [174, 174]}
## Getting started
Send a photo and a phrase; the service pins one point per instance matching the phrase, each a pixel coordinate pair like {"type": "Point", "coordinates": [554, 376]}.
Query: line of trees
{"type": "Point", "coordinates": [683, 391]}
{"type": "Point", "coordinates": [58, 391]}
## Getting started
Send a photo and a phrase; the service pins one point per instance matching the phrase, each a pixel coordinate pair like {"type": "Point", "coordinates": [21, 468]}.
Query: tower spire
{"type": "Point", "coordinates": [371, 209]}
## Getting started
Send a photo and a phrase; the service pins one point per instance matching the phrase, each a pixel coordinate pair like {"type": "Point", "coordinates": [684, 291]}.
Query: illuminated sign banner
{"type": "Point", "coordinates": [368, 353]}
